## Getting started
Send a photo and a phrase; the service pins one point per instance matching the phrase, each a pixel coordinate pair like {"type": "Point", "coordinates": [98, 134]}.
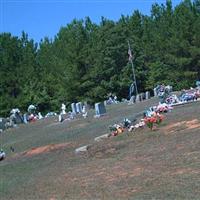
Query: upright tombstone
{"type": "Point", "coordinates": [132, 100]}
{"type": "Point", "coordinates": [138, 98]}
{"type": "Point", "coordinates": [73, 106]}
{"type": "Point", "coordinates": [79, 107]}
{"type": "Point", "coordinates": [40, 115]}
{"type": "Point", "coordinates": [147, 95]}
{"type": "Point", "coordinates": [25, 118]}
{"type": "Point", "coordinates": [143, 96]}
{"type": "Point", "coordinates": [60, 117]}
{"type": "Point", "coordinates": [84, 109]}
{"type": "Point", "coordinates": [19, 119]}
{"type": "Point", "coordinates": [63, 109]}
{"type": "Point", "coordinates": [155, 92]}
{"type": "Point", "coordinates": [100, 109]}
{"type": "Point", "coordinates": [2, 124]}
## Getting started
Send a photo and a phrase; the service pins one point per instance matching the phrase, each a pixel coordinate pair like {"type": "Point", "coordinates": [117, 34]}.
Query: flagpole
{"type": "Point", "coordinates": [134, 78]}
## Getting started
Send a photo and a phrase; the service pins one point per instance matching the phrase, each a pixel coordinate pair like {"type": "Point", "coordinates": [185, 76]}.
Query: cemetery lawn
{"type": "Point", "coordinates": [159, 164]}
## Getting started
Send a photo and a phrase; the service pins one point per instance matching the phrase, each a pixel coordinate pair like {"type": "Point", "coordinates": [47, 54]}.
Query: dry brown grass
{"type": "Point", "coordinates": [160, 164]}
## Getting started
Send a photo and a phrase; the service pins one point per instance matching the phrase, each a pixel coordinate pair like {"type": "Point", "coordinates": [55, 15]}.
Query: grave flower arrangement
{"type": "Point", "coordinates": [116, 129]}
{"type": "Point", "coordinates": [155, 119]}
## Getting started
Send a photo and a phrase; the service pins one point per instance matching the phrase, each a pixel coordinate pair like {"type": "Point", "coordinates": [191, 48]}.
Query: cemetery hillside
{"type": "Point", "coordinates": [103, 111]}
{"type": "Point", "coordinates": [42, 162]}
{"type": "Point", "coordinates": [86, 61]}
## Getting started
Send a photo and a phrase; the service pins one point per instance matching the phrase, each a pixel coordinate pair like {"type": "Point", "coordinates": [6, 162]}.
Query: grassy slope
{"type": "Point", "coordinates": [162, 164]}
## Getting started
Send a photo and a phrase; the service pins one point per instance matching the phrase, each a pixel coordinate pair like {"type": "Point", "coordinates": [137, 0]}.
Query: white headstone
{"type": "Point", "coordinates": [60, 118]}
{"type": "Point", "coordinates": [84, 109]}
{"type": "Point", "coordinates": [63, 108]}
{"type": "Point", "coordinates": [147, 95]}
{"type": "Point", "coordinates": [40, 115]}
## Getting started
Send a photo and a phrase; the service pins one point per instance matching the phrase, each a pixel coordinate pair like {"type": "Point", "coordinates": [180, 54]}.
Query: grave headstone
{"type": "Point", "coordinates": [79, 107]}
{"type": "Point", "coordinates": [143, 96]}
{"type": "Point", "coordinates": [2, 124]}
{"type": "Point", "coordinates": [147, 95]}
{"type": "Point", "coordinates": [40, 115]}
{"type": "Point", "coordinates": [138, 98]}
{"type": "Point", "coordinates": [100, 109]}
{"type": "Point", "coordinates": [18, 118]}
{"type": "Point", "coordinates": [63, 109]}
{"type": "Point", "coordinates": [73, 106]}
{"type": "Point", "coordinates": [155, 92]}
{"type": "Point", "coordinates": [25, 118]}
{"type": "Point", "coordinates": [132, 100]}
{"type": "Point", "coordinates": [60, 117]}
{"type": "Point", "coordinates": [84, 109]}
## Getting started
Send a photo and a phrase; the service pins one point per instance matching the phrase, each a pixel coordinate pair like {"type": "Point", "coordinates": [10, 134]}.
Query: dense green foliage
{"type": "Point", "coordinates": [86, 61]}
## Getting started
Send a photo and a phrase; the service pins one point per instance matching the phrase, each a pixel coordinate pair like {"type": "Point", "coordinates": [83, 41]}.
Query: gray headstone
{"type": "Point", "coordinates": [155, 92]}
{"type": "Point", "coordinates": [132, 100]}
{"type": "Point", "coordinates": [73, 106]}
{"type": "Point", "coordinates": [143, 97]}
{"type": "Point", "coordinates": [79, 107]}
{"type": "Point", "coordinates": [2, 123]}
{"type": "Point", "coordinates": [138, 98]}
{"type": "Point", "coordinates": [147, 95]}
{"type": "Point", "coordinates": [100, 109]}
{"type": "Point", "coordinates": [18, 118]}
{"type": "Point", "coordinates": [25, 118]}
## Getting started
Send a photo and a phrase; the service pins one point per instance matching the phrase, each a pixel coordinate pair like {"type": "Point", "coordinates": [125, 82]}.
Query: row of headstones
{"type": "Point", "coordinates": [140, 97]}
{"type": "Point", "coordinates": [156, 92]}
{"type": "Point", "coordinates": [77, 108]}
{"type": "Point", "coordinates": [100, 109]}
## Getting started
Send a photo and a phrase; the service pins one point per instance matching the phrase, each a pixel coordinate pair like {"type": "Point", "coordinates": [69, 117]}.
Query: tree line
{"type": "Point", "coordinates": [87, 61]}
